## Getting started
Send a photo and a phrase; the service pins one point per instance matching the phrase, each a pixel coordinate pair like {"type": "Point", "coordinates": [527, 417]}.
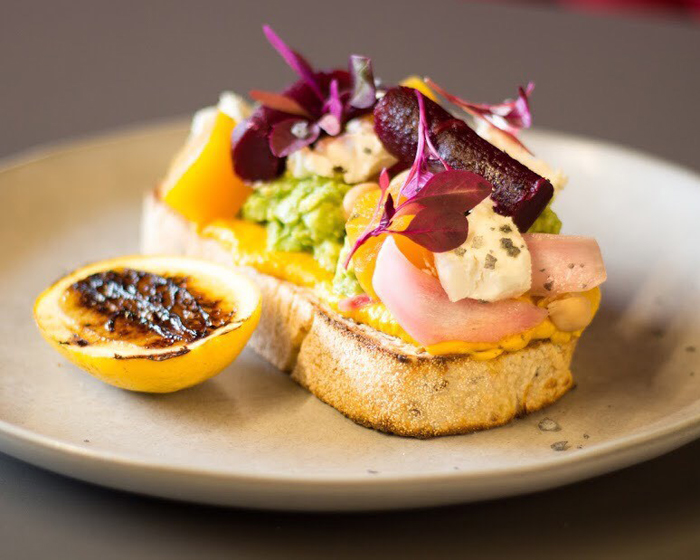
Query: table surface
{"type": "Point", "coordinates": [77, 68]}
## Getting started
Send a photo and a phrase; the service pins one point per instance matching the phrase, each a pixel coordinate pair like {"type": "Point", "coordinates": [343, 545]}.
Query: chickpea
{"type": "Point", "coordinates": [570, 313]}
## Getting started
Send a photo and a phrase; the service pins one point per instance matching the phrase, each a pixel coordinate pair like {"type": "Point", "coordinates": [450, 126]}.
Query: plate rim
{"type": "Point", "coordinates": [29, 445]}
{"type": "Point", "coordinates": [687, 427]}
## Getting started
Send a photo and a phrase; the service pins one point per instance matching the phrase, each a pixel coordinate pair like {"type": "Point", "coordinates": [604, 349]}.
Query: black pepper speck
{"type": "Point", "coordinates": [510, 249]}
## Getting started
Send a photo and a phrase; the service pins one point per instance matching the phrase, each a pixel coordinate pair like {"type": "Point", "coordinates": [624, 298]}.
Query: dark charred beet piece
{"type": "Point", "coordinates": [250, 149]}
{"type": "Point", "coordinates": [253, 160]}
{"type": "Point", "coordinates": [518, 191]}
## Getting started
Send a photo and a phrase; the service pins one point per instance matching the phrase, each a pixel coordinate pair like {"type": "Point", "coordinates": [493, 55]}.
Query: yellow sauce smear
{"type": "Point", "coordinates": [248, 244]}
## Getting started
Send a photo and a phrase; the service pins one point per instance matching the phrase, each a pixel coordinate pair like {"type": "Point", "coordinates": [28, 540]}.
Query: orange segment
{"type": "Point", "coordinates": [201, 184]}
{"type": "Point", "coordinates": [418, 255]}
{"type": "Point", "coordinates": [416, 82]}
{"type": "Point", "coordinates": [364, 259]}
{"type": "Point", "coordinates": [364, 262]}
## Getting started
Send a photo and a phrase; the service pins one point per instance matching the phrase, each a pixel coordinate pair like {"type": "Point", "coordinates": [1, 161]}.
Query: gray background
{"type": "Point", "coordinates": [77, 68]}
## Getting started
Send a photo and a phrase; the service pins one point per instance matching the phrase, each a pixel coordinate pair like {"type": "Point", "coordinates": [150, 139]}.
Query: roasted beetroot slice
{"type": "Point", "coordinates": [396, 121]}
{"type": "Point", "coordinates": [250, 150]}
{"type": "Point", "coordinates": [252, 158]}
{"type": "Point", "coordinates": [518, 191]}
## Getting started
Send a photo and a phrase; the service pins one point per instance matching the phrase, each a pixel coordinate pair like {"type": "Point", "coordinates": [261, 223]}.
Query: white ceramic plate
{"type": "Point", "coordinates": [251, 437]}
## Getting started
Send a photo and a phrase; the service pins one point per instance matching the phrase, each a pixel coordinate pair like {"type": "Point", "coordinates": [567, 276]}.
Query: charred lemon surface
{"type": "Point", "coordinates": [152, 324]}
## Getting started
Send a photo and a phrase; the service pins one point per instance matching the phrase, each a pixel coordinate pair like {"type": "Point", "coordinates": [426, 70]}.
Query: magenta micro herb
{"type": "Point", "coordinates": [438, 202]}
{"type": "Point", "coordinates": [295, 61]}
{"type": "Point", "coordinates": [510, 116]}
{"type": "Point", "coordinates": [331, 121]}
{"type": "Point", "coordinates": [291, 135]}
{"type": "Point", "coordinates": [338, 102]}
{"type": "Point", "coordinates": [279, 102]}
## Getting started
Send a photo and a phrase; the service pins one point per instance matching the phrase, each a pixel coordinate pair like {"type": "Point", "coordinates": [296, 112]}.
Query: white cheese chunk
{"type": "Point", "coordinates": [357, 154]}
{"type": "Point", "coordinates": [492, 264]}
{"type": "Point", "coordinates": [230, 104]}
{"type": "Point", "coordinates": [202, 120]}
{"type": "Point", "coordinates": [234, 106]}
{"type": "Point", "coordinates": [516, 151]}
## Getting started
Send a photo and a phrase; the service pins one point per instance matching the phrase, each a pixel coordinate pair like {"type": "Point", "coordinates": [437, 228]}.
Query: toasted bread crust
{"type": "Point", "coordinates": [376, 380]}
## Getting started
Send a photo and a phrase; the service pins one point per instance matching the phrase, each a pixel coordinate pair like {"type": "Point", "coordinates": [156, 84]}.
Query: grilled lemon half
{"type": "Point", "coordinates": [150, 323]}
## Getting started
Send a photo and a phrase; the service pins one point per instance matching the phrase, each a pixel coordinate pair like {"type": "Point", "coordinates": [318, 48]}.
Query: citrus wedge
{"type": "Point", "coordinates": [201, 184]}
{"type": "Point", "coordinates": [416, 82]}
{"type": "Point", "coordinates": [150, 324]}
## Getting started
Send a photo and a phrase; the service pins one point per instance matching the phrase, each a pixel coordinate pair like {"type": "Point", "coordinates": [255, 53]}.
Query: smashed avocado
{"type": "Point", "coordinates": [301, 215]}
{"type": "Point", "coordinates": [345, 282]}
{"type": "Point", "coordinates": [547, 222]}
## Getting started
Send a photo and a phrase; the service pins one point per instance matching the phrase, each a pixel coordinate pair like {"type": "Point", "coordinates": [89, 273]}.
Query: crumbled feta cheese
{"type": "Point", "coordinates": [230, 103]}
{"type": "Point", "coordinates": [234, 106]}
{"type": "Point", "coordinates": [517, 152]}
{"type": "Point", "coordinates": [357, 154]}
{"type": "Point", "coordinates": [492, 264]}
{"type": "Point", "coordinates": [202, 120]}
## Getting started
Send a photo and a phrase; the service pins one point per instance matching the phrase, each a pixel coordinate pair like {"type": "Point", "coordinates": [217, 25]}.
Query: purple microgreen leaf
{"type": "Point", "coordinates": [419, 175]}
{"type": "Point", "coordinates": [329, 124]}
{"type": "Point", "coordinates": [364, 92]}
{"type": "Point", "coordinates": [415, 183]}
{"type": "Point", "coordinates": [423, 125]}
{"type": "Point", "coordinates": [413, 180]}
{"type": "Point", "coordinates": [297, 62]}
{"type": "Point", "coordinates": [510, 116]}
{"type": "Point", "coordinates": [384, 180]}
{"type": "Point", "coordinates": [520, 114]}
{"type": "Point", "coordinates": [437, 230]}
{"type": "Point", "coordinates": [388, 211]}
{"type": "Point", "coordinates": [291, 135]}
{"type": "Point", "coordinates": [332, 121]}
{"type": "Point", "coordinates": [411, 206]}
{"type": "Point", "coordinates": [458, 190]}
{"type": "Point", "coordinates": [451, 190]}
{"type": "Point", "coordinates": [279, 102]}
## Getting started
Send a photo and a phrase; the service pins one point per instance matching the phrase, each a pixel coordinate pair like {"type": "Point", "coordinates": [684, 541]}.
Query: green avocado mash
{"type": "Point", "coordinates": [345, 282]}
{"type": "Point", "coordinates": [301, 215]}
{"type": "Point", "coordinates": [547, 222]}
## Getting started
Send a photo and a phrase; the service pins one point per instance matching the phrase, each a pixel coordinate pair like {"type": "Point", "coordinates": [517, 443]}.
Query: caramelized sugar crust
{"type": "Point", "coordinates": [144, 308]}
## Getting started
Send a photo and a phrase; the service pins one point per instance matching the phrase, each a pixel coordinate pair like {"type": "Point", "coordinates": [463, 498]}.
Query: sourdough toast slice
{"type": "Point", "coordinates": [374, 379]}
